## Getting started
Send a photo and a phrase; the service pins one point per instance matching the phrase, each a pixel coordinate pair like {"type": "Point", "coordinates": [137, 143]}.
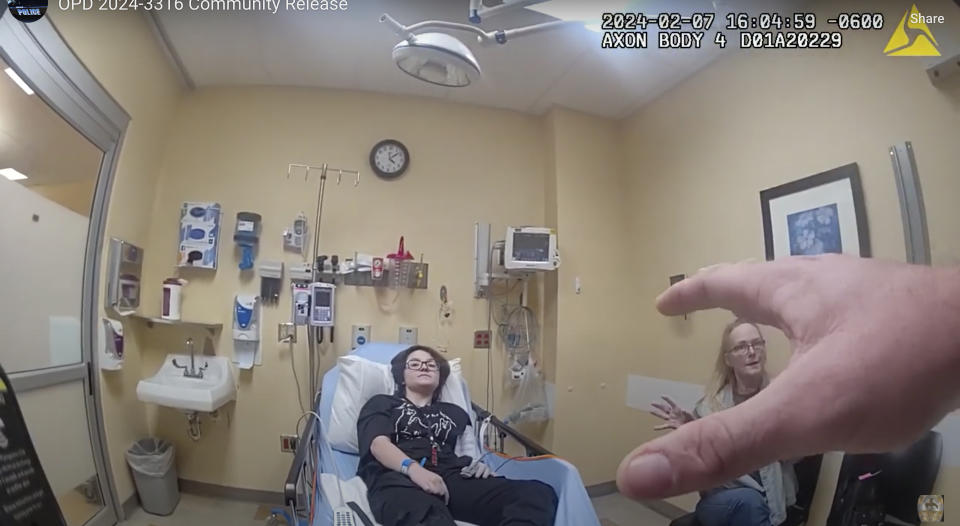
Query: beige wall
{"type": "Point", "coordinates": [593, 328]}
{"type": "Point", "coordinates": [699, 155]}
{"type": "Point", "coordinates": [138, 76]}
{"type": "Point", "coordinates": [76, 195]}
{"type": "Point", "coordinates": [232, 146]}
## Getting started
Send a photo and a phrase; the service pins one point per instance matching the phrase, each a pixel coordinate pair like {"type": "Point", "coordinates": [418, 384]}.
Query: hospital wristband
{"type": "Point", "coordinates": [405, 466]}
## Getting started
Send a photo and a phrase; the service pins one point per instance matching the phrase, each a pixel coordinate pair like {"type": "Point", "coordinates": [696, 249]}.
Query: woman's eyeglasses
{"type": "Point", "coordinates": [742, 347]}
{"type": "Point", "coordinates": [416, 365]}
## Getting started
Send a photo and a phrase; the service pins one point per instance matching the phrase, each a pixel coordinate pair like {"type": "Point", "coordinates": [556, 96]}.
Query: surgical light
{"type": "Point", "coordinates": [442, 59]}
{"type": "Point", "coordinates": [437, 58]}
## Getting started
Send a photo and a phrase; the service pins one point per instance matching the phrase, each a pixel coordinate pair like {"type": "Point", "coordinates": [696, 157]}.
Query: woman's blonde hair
{"type": "Point", "coordinates": [723, 373]}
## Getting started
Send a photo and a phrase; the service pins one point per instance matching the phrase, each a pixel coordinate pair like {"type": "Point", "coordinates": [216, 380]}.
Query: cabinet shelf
{"type": "Point", "coordinates": [152, 320]}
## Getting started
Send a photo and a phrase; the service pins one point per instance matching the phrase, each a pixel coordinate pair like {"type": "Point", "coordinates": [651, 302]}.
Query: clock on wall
{"type": "Point", "coordinates": [389, 159]}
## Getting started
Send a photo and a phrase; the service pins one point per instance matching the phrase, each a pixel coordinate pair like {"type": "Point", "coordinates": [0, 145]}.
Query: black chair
{"type": "Point", "coordinates": [904, 476]}
{"type": "Point", "coordinates": [808, 471]}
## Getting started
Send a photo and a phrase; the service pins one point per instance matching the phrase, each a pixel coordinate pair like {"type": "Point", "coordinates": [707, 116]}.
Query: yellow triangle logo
{"type": "Point", "coordinates": [912, 39]}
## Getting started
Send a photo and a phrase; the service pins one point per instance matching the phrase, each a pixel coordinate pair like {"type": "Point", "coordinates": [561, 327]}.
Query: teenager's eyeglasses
{"type": "Point", "coordinates": [742, 347]}
{"type": "Point", "coordinates": [416, 365]}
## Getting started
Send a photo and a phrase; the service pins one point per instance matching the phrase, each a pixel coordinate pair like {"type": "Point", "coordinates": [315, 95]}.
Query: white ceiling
{"type": "Point", "coordinates": [351, 50]}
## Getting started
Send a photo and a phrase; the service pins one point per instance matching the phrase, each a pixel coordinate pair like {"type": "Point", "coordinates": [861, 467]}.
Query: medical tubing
{"type": "Point", "coordinates": [296, 378]}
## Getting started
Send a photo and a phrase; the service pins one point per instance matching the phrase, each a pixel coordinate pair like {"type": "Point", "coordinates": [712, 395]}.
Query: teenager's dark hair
{"type": "Point", "coordinates": [399, 364]}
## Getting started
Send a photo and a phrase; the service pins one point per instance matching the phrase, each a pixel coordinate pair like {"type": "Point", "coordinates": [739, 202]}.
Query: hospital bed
{"type": "Point", "coordinates": [305, 505]}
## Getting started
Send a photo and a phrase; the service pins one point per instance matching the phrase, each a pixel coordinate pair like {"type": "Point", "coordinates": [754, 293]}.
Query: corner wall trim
{"type": "Point", "coordinates": [912, 211]}
{"type": "Point", "coordinates": [163, 38]}
{"type": "Point", "coordinates": [204, 489]}
{"type": "Point", "coordinates": [130, 506]}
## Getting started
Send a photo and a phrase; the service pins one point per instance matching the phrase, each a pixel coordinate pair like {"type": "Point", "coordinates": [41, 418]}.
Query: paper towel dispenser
{"type": "Point", "coordinates": [123, 276]}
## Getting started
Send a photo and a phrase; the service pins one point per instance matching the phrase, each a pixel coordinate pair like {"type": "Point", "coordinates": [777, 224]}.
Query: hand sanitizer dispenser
{"type": "Point", "coordinates": [245, 322]}
{"type": "Point", "coordinates": [111, 345]}
{"type": "Point", "coordinates": [246, 331]}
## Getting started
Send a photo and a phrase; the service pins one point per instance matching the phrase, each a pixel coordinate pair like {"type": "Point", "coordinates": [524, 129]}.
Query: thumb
{"type": "Point", "coordinates": [706, 452]}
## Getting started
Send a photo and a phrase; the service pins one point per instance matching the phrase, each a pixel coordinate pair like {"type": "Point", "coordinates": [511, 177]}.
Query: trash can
{"type": "Point", "coordinates": [155, 475]}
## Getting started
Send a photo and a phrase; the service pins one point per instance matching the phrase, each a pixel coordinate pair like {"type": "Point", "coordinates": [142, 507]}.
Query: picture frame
{"type": "Point", "coordinates": [819, 214]}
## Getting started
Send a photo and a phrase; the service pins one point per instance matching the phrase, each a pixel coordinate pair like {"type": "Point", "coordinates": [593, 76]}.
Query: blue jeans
{"type": "Point", "coordinates": [734, 507]}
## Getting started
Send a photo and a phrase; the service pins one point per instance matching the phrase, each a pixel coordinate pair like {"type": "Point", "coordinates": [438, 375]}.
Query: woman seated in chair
{"type": "Point", "coordinates": [760, 498]}
{"type": "Point", "coordinates": [408, 463]}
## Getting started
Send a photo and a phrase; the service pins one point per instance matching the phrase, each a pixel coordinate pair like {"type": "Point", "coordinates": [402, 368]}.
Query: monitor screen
{"type": "Point", "coordinates": [321, 298]}
{"type": "Point", "coordinates": [531, 247]}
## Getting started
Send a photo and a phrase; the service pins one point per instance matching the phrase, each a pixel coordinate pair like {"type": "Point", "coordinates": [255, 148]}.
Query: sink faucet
{"type": "Point", "coordinates": [191, 371]}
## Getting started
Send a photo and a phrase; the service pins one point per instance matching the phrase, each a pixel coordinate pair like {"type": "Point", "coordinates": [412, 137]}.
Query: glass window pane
{"type": "Point", "coordinates": [57, 421]}
{"type": "Point", "coordinates": [48, 172]}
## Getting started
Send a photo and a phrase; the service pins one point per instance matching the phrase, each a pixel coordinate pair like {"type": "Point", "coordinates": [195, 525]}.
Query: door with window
{"type": "Point", "coordinates": [53, 166]}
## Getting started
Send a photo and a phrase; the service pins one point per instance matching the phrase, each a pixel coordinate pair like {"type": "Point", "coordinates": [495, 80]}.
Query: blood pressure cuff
{"type": "Point", "coordinates": [25, 495]}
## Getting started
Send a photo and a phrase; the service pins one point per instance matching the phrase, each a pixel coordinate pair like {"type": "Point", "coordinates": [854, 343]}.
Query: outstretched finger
{"type": "Point", "coordinates": [670, 401]}
{"type": "Point", "coordinates": [661, 407]}
{"type": "Point", "coordinates": [659, 415]}
{"type": "Point", "coordinates": [661, 427]}
{"type": "Point", "coordinates": [746, 289]}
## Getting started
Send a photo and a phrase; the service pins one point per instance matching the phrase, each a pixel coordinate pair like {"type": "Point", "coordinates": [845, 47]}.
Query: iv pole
{"type": "Point", "coordinates": [311, 330]}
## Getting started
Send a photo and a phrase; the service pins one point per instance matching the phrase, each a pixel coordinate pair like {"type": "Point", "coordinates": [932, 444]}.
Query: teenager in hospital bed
{"type": "Point", "coordinates": [413, 475]}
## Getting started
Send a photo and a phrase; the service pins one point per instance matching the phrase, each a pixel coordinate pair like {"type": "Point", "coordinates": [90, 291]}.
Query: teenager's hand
{"type": "Point", "coordinates": [429, 481]}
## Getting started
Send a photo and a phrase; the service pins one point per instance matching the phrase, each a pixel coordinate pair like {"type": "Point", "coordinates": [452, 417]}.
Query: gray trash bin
{"type": "Point", "coordinates": [155, 475]}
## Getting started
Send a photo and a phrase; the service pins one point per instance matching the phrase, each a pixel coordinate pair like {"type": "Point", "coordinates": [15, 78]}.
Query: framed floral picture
{"type": "Point", "coordinates": [819, 214]}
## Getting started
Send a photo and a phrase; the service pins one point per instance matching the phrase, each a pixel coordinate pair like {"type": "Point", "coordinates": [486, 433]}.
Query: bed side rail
{"type": "Point", "coordinates": [301, 471]}
{"type": "Point", "coordinates": [504, 430]}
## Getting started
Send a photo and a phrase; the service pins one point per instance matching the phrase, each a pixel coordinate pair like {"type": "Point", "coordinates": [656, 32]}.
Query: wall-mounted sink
{"type": "Point", "coordinates": [171, 388]}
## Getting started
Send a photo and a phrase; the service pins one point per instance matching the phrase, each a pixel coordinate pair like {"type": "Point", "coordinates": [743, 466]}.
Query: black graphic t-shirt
{"type": "Point", "coordinates": [415, 430]}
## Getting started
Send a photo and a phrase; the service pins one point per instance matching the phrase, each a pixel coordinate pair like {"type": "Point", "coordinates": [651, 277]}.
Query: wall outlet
{"type": "Point", "coordinates": [288, 443]}
{"type": "Point", "coordinates": [408, 335]}
{"type": "Point", "coordinates": [360, 335]}
{"type": "Point", "coordinates": [481, 339]}
{"type": "Point", "coordinates": [286, 333]}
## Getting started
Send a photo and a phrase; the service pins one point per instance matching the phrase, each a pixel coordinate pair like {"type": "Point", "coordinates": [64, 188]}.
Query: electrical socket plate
{"type": "Point", "coordinates": [288, 443]}
{"type": "Point", "coordinates": [481, 339]}
{"type": "Point", "coordinates": [408, 335]}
